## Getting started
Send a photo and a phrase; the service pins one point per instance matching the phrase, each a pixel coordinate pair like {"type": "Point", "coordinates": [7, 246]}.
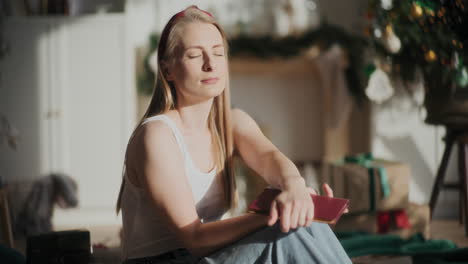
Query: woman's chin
{"type": "Point", "coordinates": [204, 94]}
{"type": "Point", "coordinates": [213, 91]}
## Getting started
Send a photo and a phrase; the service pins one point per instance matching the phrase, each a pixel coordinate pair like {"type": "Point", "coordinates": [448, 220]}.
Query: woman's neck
{"type": "Point", "coordinates": [194, 118]}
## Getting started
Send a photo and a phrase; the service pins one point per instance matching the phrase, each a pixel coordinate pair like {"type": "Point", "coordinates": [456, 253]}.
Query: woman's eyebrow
{"type": "Point", "coordinates": [200, 47]}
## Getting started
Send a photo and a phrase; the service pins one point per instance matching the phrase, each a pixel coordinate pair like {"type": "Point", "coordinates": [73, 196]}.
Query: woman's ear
{"type": "Point", "coordinates": [167, 72]}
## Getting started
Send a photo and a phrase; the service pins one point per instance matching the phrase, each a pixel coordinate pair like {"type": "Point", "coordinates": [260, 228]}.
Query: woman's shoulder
{"type": "Point", "coordinates": [237, 115]}
{"type": "Point", "coordinates": [152, 143]}
{"type": "Point", "coordinates": [155, 131]}
{"type": "Point", "coordinates": [240, 119]}
{"type": "Point", "coordinates": [150, 136]}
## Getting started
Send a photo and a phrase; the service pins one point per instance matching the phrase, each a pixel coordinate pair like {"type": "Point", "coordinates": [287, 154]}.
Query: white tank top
{"type": "Point", "coordinates": [144, 232]}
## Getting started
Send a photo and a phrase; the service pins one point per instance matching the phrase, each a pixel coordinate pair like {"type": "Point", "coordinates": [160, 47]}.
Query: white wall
{"type": "Point", "coordinates": [288, 109]}
{"type": "Point", "coordinates": [399, 133]}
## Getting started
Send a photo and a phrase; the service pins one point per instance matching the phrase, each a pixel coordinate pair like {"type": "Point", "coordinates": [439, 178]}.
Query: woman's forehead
{"type": "Point", "coordinates": [199, 34]}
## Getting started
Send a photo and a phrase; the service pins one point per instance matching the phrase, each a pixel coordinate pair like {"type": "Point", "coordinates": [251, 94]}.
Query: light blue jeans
{"type": "Point", "coordinates": [314, 244]}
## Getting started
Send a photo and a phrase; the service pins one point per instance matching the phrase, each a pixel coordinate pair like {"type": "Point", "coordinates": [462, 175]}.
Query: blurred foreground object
{"type": "Point", "coordinates": [71, 247]}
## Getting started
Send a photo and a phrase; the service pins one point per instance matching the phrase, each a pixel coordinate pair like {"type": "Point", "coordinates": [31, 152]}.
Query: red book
{"type": "Point", "coordinates": [326, 209]}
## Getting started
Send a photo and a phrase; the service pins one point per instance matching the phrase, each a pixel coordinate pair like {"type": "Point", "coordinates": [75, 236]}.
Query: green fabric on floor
{"type": "Point", "coordinates": [11, 256]}
{"type": "Point", "coordinates": [422, 251]}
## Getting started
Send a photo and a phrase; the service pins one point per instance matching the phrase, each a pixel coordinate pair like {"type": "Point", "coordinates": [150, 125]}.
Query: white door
{"type": "Point", "coordinates": [94, 106]}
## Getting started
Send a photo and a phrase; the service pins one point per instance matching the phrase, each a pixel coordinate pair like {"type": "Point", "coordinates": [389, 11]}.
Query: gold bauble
{"type": "Point", "coordinates": [389, 29]}
{"type": "Point", "coordinates": [430, 56]}
{"type": "Point", "coordinates": [416, 10]}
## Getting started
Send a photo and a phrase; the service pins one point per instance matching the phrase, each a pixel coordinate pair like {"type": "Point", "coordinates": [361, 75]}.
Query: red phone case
{"type": "Point", "coordinates": [326, 209]}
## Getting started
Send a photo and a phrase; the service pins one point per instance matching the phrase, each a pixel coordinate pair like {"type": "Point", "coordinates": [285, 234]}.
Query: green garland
{"type": "Point", "coordinates": [268, 47]}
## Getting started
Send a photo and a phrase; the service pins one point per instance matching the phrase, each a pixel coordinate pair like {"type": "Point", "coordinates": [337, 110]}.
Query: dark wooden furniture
{"type": "Point", "coordinates": [454, 136]}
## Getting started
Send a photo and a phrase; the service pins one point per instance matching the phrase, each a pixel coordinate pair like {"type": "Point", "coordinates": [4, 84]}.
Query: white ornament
{"type": "Point", "coordinates": [392, 43]}
{"type": "Point", "coordinates": [379, 88]}
{"type": "Point", "coordinates": [377, 33]}
{"type": "Point", "coordinates": [386, 4]}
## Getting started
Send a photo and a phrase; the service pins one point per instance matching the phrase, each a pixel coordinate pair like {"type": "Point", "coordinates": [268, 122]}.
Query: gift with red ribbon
{"type": "Point", "coordinates": [392, 219]}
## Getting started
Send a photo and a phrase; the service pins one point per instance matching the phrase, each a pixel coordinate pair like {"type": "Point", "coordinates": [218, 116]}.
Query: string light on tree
{"type": "Point", "coordinates": [431, 56]}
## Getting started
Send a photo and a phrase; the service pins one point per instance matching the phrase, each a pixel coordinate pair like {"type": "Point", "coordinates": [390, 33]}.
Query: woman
{"type": "Point", "coordinates": [178, 179]}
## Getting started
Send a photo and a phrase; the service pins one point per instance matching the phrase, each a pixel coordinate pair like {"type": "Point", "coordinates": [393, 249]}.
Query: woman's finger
{"type": "Point", "coordinates": [273, 214]}
{"type": "Point", "coordinates": [302, 221]}
{"type": "Point", "coordinates": [295, 211]}
{"type": "Point", "coordinates": [310, 215]}
{"type": "Point", "coordinates": [285, 218]}
{"type": "Point", "coordinates": [328, 191]}
{"type": "Point", "coordinates": [312, 191]}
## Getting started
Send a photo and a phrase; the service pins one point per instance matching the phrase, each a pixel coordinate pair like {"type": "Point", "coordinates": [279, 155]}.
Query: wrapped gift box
{"type": "Point", "coordinates": [419, 219]}
{"type": "Point", "coordinates": [365, 186]}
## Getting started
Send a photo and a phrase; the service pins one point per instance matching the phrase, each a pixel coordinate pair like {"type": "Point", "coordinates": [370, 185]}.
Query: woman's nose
{"type": "Point", "coordinates": [208, 64]}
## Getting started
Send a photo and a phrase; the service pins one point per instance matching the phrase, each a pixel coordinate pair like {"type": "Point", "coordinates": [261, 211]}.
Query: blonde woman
{"type": "Point", "coordinates": [178, 177]}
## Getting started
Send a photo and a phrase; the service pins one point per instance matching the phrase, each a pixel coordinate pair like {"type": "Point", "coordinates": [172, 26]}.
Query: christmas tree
{"type": "Point", "coordinates": [430, 36]}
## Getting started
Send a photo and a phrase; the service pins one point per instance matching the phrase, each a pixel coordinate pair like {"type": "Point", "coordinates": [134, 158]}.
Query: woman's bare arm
{"type": "Point", "coordinates": [293, 206]}
{"type": "Point", "coordinates": [159, 170]}
{"type": "Point", "coordinates": [260, 154]}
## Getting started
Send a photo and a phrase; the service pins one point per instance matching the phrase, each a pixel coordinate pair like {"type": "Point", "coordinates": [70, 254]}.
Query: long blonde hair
{"type": "Point", "coordinates": [164, 98]}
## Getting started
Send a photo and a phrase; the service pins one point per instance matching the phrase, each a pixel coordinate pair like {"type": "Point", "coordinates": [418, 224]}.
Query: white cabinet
{"type": "Point", "coordinates": [65, 87]}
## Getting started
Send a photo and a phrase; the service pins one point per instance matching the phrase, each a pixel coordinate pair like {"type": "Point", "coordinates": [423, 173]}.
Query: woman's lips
{"type": "Point", "coordinates": [210, 80]}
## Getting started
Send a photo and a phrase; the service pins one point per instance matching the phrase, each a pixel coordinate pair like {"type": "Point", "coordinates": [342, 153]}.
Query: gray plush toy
{"type": "Point", "coordinates": [36, 215]}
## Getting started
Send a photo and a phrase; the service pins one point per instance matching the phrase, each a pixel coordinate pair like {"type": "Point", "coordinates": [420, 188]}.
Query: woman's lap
{"type": "Point", "coordinates": [314, 244]}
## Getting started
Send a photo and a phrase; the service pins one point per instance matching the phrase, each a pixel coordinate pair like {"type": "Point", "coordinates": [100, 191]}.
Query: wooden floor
{"type": "Point", "coordinates": [451, 230]}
